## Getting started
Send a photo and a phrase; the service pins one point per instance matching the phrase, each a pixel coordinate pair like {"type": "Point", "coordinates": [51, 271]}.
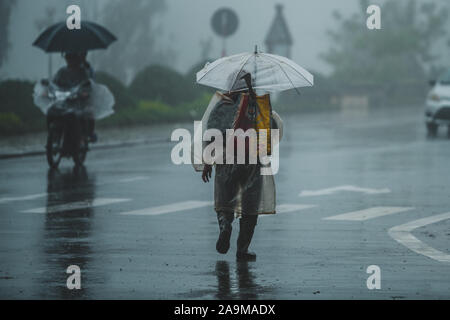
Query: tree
{"type": "Point", "coordinates": [138, 34]}
{"type": "Point", "coordinates": [6, 7]}
{"type": "Point", "coordinates": [400, 52]}
{"type": "Point", "coordinates": [163, 84]}
{"type": "Point", "coordinates": [124, 100]}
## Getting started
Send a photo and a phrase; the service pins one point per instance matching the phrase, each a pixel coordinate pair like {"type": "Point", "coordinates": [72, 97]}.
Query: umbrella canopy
{"type": "Point", "coordinates": [58, 38]}
{"type": "Point", "coordinates": [269, 73]}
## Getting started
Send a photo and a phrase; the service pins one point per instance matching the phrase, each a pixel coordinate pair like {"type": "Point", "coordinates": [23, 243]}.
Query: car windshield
{"type": "Point", "coordinates": [445, 79]}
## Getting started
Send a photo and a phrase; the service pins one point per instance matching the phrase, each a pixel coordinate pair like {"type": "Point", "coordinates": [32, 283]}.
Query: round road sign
{"type": "Point", "coordinates": [225, 22]}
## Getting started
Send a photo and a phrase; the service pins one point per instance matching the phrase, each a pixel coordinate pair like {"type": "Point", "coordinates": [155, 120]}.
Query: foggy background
{"type": "Point", "coordinates": [179, 27]}
{"type": "Point", "coordinates": [163, 43]}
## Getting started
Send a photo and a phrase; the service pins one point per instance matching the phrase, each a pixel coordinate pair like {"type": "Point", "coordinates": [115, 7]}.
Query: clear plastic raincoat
{"type": "Point", "coordinates": [241, 188]}
{"type": "Point", "coordinates": [98, 106]}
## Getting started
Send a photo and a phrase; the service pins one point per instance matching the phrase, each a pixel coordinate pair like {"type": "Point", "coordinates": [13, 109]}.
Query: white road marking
{"type": "Point", "coordinates": [402, 234]}
{"type": "Point", "coordinates": [174, 207]}
{"type": "Point", "coordinates": [134, 179]}
{"type": "Point", "coordinates": [370, 213]}
{"type": "Point", "coordinates": [42, 195]}
{"type": "Point", "coordinates": [76, 205]}
{"type": "Point", "coordinates": [23, 198]}
{"type": "Point", "coordinates": [328, 191]}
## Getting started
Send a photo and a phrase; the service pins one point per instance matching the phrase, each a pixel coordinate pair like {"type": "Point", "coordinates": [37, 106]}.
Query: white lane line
{"type": "Point", "coordinates": [23, 198]}
{"type": "Point", "coordinates": [134, 179]}
{"type": "Point", "coordinates": [402, 234]}
{"type": "Point", "coordinates": [174, 207]}
{"type": "Point", "coordinates": [76, 205]}
{"type": "Point", "coordinates": [42, 195]}
{"type": "Point", "coordinates": [328, 191]}
{"type": "Point", "coordinates": [367, 214]}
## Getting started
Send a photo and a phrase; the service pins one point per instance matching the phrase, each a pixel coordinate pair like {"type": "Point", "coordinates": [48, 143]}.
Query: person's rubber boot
{"type": "Point", "coordinates": [225, 220]}
{"type": "Point", "coordinates": [246, 230]}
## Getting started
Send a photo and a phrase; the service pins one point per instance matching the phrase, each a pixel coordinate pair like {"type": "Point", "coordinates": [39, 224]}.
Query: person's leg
{"type": "Point", "coordinates": [225, 219]}
{"type": "Point", "coordinates": [246, 230]}
{"type": "Point", "coordinates": [91, 129]}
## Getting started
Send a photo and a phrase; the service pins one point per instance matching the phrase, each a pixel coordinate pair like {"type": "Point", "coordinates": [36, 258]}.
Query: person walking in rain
{"type": "Point", "coordinates": [240, 190]}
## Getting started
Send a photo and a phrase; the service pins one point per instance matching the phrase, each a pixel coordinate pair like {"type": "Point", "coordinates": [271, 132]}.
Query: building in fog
{"type": "Point", "coordinates": [279, 40]}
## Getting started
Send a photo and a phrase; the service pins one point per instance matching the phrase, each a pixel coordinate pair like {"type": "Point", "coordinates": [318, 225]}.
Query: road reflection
{"type": "Point", "coordinates": [67, 233]}
{"type": "Point", "coordinates": [246, 288]}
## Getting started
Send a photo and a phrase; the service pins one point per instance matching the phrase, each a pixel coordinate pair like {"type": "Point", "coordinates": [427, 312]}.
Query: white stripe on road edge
{"type": "Point", "coordinates": [328, 191]}
{"type": "Point", "coordinates": [76, 205]}
{"type": "Point", "coordinates": [367, 214]}
{"type": "Point", "coordinates": [174, 207]}
{"type": "Point", "coordinates": [23, 198]}
{"type": "Point", "coordinates": [402, 234]}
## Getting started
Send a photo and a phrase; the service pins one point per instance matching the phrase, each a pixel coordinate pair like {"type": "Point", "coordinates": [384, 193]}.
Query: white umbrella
{"type": "Point", "coordinates": [269, 73]}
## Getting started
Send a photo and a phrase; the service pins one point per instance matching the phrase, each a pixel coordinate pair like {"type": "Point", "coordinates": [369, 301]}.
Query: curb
{"type": "Point", "coordinates": [38, 152]}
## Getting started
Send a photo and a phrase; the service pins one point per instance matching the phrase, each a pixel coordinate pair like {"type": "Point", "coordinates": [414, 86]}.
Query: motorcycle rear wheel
{"type": "Point", "coordinates": [54, 146]}
{"type": "Point", "coordinates": [79, 156]}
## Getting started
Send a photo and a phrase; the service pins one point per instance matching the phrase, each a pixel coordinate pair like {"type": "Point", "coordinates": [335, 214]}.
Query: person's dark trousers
{"type": "Point", "coordinates": [225, 220]}
{"type": "Point", "coordinates": [246, 231]}
{"type": "Point", "coordinates": [91, 129]}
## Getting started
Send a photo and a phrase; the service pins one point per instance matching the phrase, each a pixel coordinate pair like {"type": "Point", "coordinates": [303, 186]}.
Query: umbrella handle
{"type": "Point", "coordinates": [248, 80]}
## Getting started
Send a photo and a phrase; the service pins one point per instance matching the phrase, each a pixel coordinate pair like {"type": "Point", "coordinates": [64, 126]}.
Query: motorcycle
{"type": "Point", "coordinates": [66, 123]}
{"type": "Point", "coordinates": [66, 111]}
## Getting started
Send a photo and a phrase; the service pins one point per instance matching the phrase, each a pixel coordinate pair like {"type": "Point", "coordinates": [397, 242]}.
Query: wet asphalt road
{"type": "Point", "coordinates": [51, 220]}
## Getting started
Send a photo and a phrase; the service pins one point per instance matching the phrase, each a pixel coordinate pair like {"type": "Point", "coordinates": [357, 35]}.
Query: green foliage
{"type": "Point", "coordinates": [395, 54]}
{"type": "Point", "coordinates": [313, 98]}
{"type": "Point", "coordinates": [191, 78]}
{"type": "Point", "coordinates": [194, 110]}
{"type": "Point", "coordinates": [163, 84]}
{"type": "Point", "coordinates": [157, 95]}
{"type": "Point", "coordinates": [10, 123]}
{"type": "Point", "coordinates": [151, 111]}
{"type": "Point", "coordinates": [156, 110]}
{"type": "Point", "coordinates": [124, 100]}
{"type": "Point", "coordinates": [16, 99]}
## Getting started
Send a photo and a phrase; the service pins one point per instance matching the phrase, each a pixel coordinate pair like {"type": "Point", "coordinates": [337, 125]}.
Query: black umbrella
{"type": "Point", "coordinates": [58, 38]}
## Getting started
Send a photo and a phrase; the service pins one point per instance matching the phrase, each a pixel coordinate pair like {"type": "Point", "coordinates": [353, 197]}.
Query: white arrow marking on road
{"type": "Point", "coordinates": [23, 198]}
{"type": "Point", "coordinates": [76, 205]}
{"type": "Point", "coordinates": [367, 214]}
{"type": "Point", "coordinates": [174, 207]}
{"type": "Point", "coordinates": [402, 234]}
{"type": "Point", "coordinates": [328, 191]}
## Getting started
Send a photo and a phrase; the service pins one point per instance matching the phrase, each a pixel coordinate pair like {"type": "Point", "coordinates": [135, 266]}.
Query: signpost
{"type": "Point", "coordinates": [224, 23]}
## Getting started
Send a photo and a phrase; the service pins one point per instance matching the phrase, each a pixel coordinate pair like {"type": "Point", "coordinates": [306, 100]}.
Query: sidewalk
{"type": "Point", "coordinates": [34, 143]}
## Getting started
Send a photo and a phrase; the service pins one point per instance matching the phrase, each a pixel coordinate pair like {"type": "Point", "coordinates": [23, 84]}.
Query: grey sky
{"type": "Point", "coordinates": [186, 23]}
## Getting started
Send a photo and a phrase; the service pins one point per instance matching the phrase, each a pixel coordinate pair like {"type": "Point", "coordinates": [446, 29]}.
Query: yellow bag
{"type": "Point", "coordinates": [263, 121]}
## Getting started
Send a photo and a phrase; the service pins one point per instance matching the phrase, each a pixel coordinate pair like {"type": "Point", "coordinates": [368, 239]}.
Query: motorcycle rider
{"type": "Point", "coordinates": [76, 72]}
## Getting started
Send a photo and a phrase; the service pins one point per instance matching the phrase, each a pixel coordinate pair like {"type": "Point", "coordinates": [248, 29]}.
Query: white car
{"type": "Point", "coordinates": [437, 112]}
